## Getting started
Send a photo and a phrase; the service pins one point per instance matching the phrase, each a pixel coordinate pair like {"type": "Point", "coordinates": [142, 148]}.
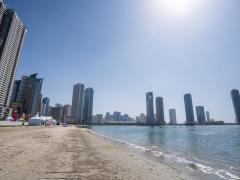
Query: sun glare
{"type": "Point", "coordinates": [177, 7]}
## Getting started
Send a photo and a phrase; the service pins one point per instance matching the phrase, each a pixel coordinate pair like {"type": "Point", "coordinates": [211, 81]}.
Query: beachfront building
{"type": "Point", "coordinates": [159, 111]}
{"type": "Point", "coordinates": [67, 110]}
{"type": "Point", "coordinates": [108, 117]}
{"type": "Point", "coordinates": [15, 90]}
{"type": "Point", "coordinates": [57, 113]}
{"type": "Point", "coordinates": [201, 115]}
{"type": "Point", "coordinates": [142, 118]}
{"type": "Point", "coordinates": [28, 95]}
{"type": "Point", "coordinates": [150, 109]}
{"type": "Point", "coordinates": [45, 106]}
{"type": "Point", "coordinates": [208, 116]}
{"type": "Point", "coordinates": [126, 117]}
{"type": "Point", "coordinates": [236, 104]}
{"type": "Point", "coordinates": [98, 119]}
{"type": "Point", "coordinates": [116, 116]}
{"type": "Point", "coordinates": [12, 33]}
{"type": "Point", "coordinates": [189, 109]}
{"type": "Point", "coordinates": [172, 116]}
{"type": "Point", "coordinates": [77, 103]}
{"type": "Point", "coordinates": [88, 106]}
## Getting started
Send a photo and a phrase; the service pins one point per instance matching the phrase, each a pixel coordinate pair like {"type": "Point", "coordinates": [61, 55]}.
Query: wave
{"type": "Point", "coordinates": [205, 169]}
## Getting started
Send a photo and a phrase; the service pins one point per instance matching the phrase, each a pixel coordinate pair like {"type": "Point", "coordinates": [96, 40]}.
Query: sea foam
{"type": "Point", "coordinates": [205, 169]}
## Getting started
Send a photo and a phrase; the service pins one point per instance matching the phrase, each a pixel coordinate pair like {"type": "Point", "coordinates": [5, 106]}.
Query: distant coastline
{"type": "Point", "coordinates": [139, 124]}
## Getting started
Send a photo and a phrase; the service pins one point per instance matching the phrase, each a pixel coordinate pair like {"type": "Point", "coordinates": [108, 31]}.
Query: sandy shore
{"type": "Point", "coordinates": [72, 153]}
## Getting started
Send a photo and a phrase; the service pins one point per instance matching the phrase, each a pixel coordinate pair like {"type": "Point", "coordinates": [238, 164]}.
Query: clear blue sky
{"type": "Point", "coordinates": [124, 48]}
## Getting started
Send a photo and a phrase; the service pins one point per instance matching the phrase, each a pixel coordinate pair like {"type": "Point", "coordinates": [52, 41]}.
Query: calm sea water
{"type": "Point", "coordinates": [212, 149]}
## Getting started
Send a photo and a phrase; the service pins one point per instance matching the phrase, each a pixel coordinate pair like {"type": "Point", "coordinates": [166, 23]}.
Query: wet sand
{"type": "Point", "coordinates": [72, 153]}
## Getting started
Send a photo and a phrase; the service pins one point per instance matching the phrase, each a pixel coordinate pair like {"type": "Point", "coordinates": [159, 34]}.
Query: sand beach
{"type": "Point", "coordinates": [73, 153]}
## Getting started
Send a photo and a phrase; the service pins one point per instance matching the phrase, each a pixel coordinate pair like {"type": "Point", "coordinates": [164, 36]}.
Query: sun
{"type": "Point", "coordinates": [177, 7]}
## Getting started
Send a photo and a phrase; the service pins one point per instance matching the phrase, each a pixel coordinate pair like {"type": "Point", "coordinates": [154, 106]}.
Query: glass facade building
{"type": "Point", "coordinates": [150, 108]}
{"type": "Point", "coordinates": [189, 109]}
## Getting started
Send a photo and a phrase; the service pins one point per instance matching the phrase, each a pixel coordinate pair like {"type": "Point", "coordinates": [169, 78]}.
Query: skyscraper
{"type": "Point", "coordinates": [142, 118]}
{"type": "Point", "coordinates": [77, 103]}
{"type": "Point", "coordinates": [98, 119]}
{"type": "Point", "coordinates": [189, 109]}
{"type": "Point", "coordinates": [200, 115]}
{"type": "Point", "coordinates": [150, 109]}
{"type": "Point", "coordinates": [208, 116]}
{"type": "Point", "coordinates": [126, 117]}
{"type": "Point", "coordinates": [236, 104]}
{"type": "Point", "coordinates": [57, 113]}
{"type": "Point", "coordinates": [172, 116]}
{"type": "Point", "coordinates": [29, 94]}
{"type": "Point", "coordinates": [45, 106]}
{"type": "Point", "coordinates": [15, 90]}
{"type": "Point", "coordinates": [116, 116]}
{"type": "Point", "coordinates": [108, 117]}
{"type": "Point", "coordinates": [159, 111]}
{"type": "Point", "coordinates": [12, 33]}
{"type": "Point", "coordinates": [26, 96]}
{"type": "Point", "coordinates": [67, 110]}
{"type": "Point", "coordinates": [88, 106]}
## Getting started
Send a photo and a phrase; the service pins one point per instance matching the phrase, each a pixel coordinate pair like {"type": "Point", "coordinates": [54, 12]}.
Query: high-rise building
{"type": "Point", "coordinates": [32, 95]}
{"type": "Point", "coordinates": [67, 110]}
{"type": "Point", "coordinates": [12, 33]}
{"type": "Point", "coordinates": [88, 106]}
{"type": "Point", "coordinates": [126, 117]}
{"type": "Point", "coordinates": [15, 90]}
{"type": "Point", "coordinates": [172, 116]}
{"type": "Point", "coordinates": [150, 109]}
{"type": "Point", "coordinates": [108, 117]}
{"type": "Point", "coordinates": [98, 119]}
{"type": "Point", "coordinates": [142, 118]}
{"type": "Point", "coordinates": [189, 109]}
{"type": "Point", "coordinates": [116, 116]}
{"type": "Point", "coordinates": [77, 103]}
{"type": "Point", "coordinates": [201, 115]}
{"type": "Point", "coordinates": [236, 104]}
{"type": "Point", "coordinates": [208, 116]}
{"type": "Point", "coordinates": [160, 120]}
{"type": "Point", "coordinates": [29, 94]}
{"type": "Point", "coordinates": [45, 106]}
{"type": "Point", "coordinates": [57, 113]}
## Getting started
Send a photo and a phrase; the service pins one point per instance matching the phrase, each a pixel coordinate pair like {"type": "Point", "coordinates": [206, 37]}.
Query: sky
{"type": "Point", "coordinates": [125, 48]}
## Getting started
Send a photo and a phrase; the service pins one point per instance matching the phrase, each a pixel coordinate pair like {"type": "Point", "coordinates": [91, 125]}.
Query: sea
{"type": "Point", "coordinates": [213, 150]}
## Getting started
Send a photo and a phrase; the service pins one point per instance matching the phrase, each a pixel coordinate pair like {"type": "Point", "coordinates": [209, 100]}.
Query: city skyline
{"type": "Point", "coordinates": [180, 72]}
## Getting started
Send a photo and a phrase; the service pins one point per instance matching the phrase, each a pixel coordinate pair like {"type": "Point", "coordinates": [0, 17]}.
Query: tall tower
{"type": "Point", "coordinates": [29, 94]}
{"type": "Point", "coordinates": [208, 116]}
{"type": "Point", "coordinates": [150, 110]}
{"type": "Point", "coordinates": [172, 116]}
{"type": "Point", "coordinates": [15, 90]}
{"type": "Point", "coordinates": [236, 104]}
{"type": "Point", "coordinates": [45, 106]}
{"type": "Point", "coordinates": [189, 109]}
{"type": "Point", "coordinates": [67, 110]}
{"type": "Point", "coordinates": [12, 33]}
{"type": "Point", "coordinates": [201, 115]}
{"type": "Point", "coordinates": [159, 111]}
{"type": "Point", "coordinates": [88, 106]}
{"type": "Point", "coordinates": [77, 103]}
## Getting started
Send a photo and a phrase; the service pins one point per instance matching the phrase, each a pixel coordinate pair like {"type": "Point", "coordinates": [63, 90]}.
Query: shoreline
{"type": "Point", "coordinates": [77, 153]}
{"type": "Point", "coordinates": [72, 153]}
{"type": "Point", "coordinates": [197, 170]}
